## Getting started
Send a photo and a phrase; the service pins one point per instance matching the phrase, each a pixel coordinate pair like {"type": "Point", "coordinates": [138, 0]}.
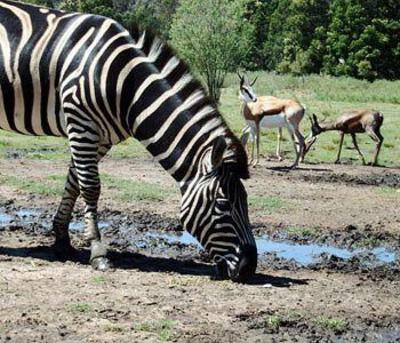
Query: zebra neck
{"type": "Point", "coordinates": [168, 111]}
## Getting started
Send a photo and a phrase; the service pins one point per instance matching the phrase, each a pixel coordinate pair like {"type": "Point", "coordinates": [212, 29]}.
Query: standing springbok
{"type": "Point", "coordinates": [270, 112]}
{"type": "Point", "coordinates": [351, 122]}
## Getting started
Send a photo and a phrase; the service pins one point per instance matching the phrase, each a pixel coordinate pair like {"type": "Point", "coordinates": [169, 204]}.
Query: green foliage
{"type": "Point", "coordinates": [363, 39]}
{"type": "Point", "coordinates": [45, 3]}
{"type": "Point", "coordinates": [154, 15]}
{"type": "Point", "coordinates": [295, 41]}
{"type": "Point", "coordinates": [358, 38]}
{"type": "Point", "coordinates": [214, 42]}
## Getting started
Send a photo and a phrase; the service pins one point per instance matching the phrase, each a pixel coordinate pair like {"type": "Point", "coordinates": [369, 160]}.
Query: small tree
{"type": "Point", "coordinates": [213, 36]}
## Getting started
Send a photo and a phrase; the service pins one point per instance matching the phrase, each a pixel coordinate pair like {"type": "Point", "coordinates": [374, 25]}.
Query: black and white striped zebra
{"type": "Point", "coordinates": [86, 78]}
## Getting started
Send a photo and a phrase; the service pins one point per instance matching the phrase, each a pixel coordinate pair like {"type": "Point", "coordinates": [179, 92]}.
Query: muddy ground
{"type": "Point", "coordinates": [161, 288]}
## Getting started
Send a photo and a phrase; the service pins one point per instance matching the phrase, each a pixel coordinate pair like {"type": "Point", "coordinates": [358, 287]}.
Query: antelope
{"type": "Point", "coordinates": [351, 122]}
{"type": "Point", "coordinates": [270, 112]}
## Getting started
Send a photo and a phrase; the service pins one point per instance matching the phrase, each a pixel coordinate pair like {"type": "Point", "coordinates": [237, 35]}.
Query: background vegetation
{"type": "Point", "coordinates": [326, 96]}
{"type": "Point", "coordinates": [359, 38]}
{"type": "Point", "coordinates": [299, 45]}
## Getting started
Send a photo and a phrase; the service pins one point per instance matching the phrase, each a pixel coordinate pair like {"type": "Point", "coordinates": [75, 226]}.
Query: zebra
{"type": "Point", "coordinates": [88, 79]}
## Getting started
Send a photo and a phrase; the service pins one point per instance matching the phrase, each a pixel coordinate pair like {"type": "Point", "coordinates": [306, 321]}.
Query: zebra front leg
{"type": "Point", "coordinates": [62, 246]}
{"type": "Point", "coordinates": [86, 152]}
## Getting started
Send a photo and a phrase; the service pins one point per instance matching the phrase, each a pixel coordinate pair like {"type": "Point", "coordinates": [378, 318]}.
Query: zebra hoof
{"type": "Point", "coordinates": [101, 263]}
{"type": "Point", "coordinates": [64, 251]}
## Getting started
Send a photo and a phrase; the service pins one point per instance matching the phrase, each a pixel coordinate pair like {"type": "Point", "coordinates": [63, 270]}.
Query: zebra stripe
{"type": "Point", "coordinates": [86, 78]}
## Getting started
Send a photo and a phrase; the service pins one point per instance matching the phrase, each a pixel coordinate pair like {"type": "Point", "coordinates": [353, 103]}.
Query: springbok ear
{"type": "Point", "coordinates": [218, 152]}
{"type": "Point", "coordinates": [252, 84]}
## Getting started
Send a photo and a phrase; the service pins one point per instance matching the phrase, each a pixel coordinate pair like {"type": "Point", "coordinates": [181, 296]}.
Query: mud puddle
{"type": "Point", "coordinates": [153, 235]}
{"type": "Point", "coordinates": [383, 179]}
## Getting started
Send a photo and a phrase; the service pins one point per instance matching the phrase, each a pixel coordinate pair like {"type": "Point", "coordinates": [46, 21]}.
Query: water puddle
{"type": "Point", "coordinates": [80, 226]}
{"type": "Point", "coordinates": [303, 254]}
{"type": "Point", "coordinates": [306, 254]}
{"type": "Point", "coordinates": [22, 216]}
{"type": "Point", "coordinates": [27, 216]}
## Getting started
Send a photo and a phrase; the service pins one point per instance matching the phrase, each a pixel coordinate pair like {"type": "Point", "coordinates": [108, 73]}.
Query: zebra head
{"type": "Point", "coordinates": [214, 210]}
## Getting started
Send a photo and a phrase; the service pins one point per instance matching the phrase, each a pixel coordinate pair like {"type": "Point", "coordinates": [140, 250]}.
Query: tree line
{"type": "Point", "coordinates": [357, 38]}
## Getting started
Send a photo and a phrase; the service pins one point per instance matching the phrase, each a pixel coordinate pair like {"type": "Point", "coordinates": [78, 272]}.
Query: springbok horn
{"type": "Point", "coordinates": [251, 84]}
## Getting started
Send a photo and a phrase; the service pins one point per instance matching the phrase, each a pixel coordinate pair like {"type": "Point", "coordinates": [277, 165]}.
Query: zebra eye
{"type": "Point", "coordinates": [222, 202]}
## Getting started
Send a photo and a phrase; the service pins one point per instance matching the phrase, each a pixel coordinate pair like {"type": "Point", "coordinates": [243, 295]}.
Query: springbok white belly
{"type": "Point", "coordinates": [270, 122]}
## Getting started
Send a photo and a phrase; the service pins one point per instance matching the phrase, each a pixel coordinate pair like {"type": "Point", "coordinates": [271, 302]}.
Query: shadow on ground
{"type": "Point", "coordinates": [129, 260]}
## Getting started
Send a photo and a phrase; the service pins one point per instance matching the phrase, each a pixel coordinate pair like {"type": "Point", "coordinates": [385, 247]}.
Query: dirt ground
{"type": "Point", "coordinates": [164, 292]}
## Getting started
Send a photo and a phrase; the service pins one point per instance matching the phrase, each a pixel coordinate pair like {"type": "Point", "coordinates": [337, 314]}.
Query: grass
{"type": "Point", "coordinates": [392, 191]}
{"type": "Point", "coordinates": [273, 322]}
{"type": "Point", "coordinates": [367, 242]}
{"type": "Point", "coordinates": [325, 96]}
{"type": "Point", "coordinates": [266, 205]}
{"type": "Point", "coordinates": [49, 186]}
{"type": "Point", "coordinates": [333, 324]}
{"type": "Point", "coordinates": [125, 190]}
{"type": "Point", "coordinates": [128, 190]}
{"type": "Point", "coordinates": [164, 329]}
{"type": "Point", "coordinates": [299, 231]}
{"type": "Point", "coordinates": [99, 280]}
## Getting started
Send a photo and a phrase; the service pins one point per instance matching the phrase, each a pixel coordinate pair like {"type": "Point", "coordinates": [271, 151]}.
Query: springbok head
{"type": "Point", "coordinates": [315, 131]}
{"type": "Point", "coordinates": [246, 91]}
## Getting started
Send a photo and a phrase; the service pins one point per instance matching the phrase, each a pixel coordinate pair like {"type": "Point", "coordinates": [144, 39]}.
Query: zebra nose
{"type": "Point", "coordinates": [247, 264]}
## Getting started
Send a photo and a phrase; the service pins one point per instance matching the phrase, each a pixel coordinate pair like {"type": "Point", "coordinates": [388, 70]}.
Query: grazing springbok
{"type": "Point", "coordinates": [351, 122]}
{"type": "Point", "coordinates": [270, 112]}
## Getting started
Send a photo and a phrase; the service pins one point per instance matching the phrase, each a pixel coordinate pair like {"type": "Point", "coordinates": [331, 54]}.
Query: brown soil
{"type": "Point", "coordinates": [151, 297]}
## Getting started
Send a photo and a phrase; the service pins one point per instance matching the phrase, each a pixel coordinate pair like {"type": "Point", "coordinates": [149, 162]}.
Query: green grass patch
{"type": "Point", "coordinates": [50, 186]}
{"type": "Point", "coordinates": [368, 242]}
{"type": "Point", "coordinates": [266, 204]}
{"type": "Point", "coordinates": [273, 323]}
{"type": "Point", "coordinates": [164, 329]}
{"type": "Point", "coordinates": [333, 324]}
{"type": "Point", "coordinates": [128, 190]}
{"type": "Point", "coordinates": [299, 231]}
{"type": "Point", "coordinates": [99, 280]}
{"type": "Point", "coordinates": [391, 191]}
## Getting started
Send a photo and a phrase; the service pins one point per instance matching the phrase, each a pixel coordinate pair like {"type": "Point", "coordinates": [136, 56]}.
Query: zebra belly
{"type": "Point", "coordinates": [19, 120]}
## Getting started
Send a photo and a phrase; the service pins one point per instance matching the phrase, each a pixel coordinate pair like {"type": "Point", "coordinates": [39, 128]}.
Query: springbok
{"type": "Point", "coordinates": [270, 112]}
{"type": "Point", "coordinates": [351, 122]}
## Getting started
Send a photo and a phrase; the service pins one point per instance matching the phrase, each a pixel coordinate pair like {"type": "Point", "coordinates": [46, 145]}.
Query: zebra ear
{"type": "Point", "coordinates": [218, 152]}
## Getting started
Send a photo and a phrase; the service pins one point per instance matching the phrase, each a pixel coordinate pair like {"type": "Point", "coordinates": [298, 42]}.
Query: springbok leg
{"type": "Point", "coordinates": [353, 136]}
{"type": "Point", "coordinates": [340, 148]}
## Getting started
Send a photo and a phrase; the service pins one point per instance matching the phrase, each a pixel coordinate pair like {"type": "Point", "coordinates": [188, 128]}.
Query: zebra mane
{"type": "Point", "coordinates": [236, 162]}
